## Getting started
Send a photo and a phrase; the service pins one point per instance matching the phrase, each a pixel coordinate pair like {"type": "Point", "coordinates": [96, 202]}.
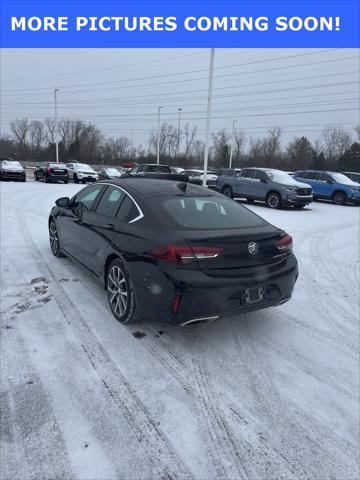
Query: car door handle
{"type": "Point", "coordinates": [109, 226]}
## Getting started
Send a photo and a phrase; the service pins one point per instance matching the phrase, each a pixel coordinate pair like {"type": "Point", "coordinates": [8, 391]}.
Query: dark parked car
{"type": "Point", "coordinates": [173, 250]}
{"type": "Point", "coordinates": [333, 186]}
{"type": "Point", "coordinates": [275, 187]}
{"type": "Point", "coordinates": [12, 170]}
{"type": "Point", "coordinates": [51, 172]}
{"type": "Point", "coordinates": [354, 176]}
{"type": "Point", "coordinates": [107, 173]}
{"type": "Point", "coordinates": [155, 170]}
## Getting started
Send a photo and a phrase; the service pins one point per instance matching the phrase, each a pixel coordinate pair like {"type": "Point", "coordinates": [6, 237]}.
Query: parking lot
{"type": "Point", "coordinates": [265, 395]}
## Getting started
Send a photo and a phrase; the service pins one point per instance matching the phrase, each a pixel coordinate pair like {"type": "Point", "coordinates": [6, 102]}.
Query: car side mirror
{"type": "Point", "coordinates": [63, 202]}
{"type": "Point", "coordinates": [264, 180]}
{"type": "Point", "coordinates": [329, 181]}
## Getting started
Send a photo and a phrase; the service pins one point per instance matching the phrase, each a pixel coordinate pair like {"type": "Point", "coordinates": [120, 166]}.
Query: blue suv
{"type": "Point", "coordinates": [330, 186]}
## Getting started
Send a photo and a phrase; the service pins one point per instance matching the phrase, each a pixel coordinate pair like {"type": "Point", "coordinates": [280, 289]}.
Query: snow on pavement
{"type": "Point", "coordinates": [267, 395]}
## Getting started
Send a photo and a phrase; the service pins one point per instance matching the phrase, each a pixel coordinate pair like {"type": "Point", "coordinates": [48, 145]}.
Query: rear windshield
{"type": "Point", "coordinates": [57, 165]}
{"type": "Point", "coordinates": [82, 166]}
{"type": "Point", "coordinates": [158, 168]}
{"type": "Point", "coordinates": [205, 213]}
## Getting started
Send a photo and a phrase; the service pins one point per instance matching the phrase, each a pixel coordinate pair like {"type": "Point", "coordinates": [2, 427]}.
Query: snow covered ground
{"type": "Point", "coordinates": [266, 395]}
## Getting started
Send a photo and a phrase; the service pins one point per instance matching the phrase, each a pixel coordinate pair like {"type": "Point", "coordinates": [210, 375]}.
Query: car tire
{"type": "Point", "coordinates": [46, 179]}
{"type": "Point", "coordinates": [83, 181]}
{"type": "Point", "coordinates": [76, 180]}
{"type": "Point", "coordinates": [121, 292]}
{"type": "Point", "coordinates": [36, 178]}
{"type": "Point", "coordinates": [228, 192]}
{"type": "Point", "coordinates": [54, 239]}
{"type": "Point", "coordinates": [66, 181]}
{"type": "Point", "coordinates": [273, 200]}
{"type": "Point", "coordinates": [339, 198]}
{"type": "Point", "coordinates": [299, 207]}
{"type": "Point", "coordinates": [23, 180]}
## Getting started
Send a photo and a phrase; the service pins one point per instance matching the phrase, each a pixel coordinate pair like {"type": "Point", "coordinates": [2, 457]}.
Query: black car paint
{"type": "Point", "coordinates": [41, 173]}
{"type": "Point", "coordinates": [90, 239]}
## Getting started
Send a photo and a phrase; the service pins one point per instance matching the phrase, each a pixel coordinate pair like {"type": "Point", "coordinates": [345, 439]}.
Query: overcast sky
{"type": "Point", "coordinates": [301, 90]}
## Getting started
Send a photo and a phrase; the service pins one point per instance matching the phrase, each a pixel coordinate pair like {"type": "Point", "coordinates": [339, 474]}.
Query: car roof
{"type": "Point", "coordinates": [148, 187]}
{"type": "Point", "coordinates": [353, 173]}
{"type": "Point", "coordinates": [153, 164]}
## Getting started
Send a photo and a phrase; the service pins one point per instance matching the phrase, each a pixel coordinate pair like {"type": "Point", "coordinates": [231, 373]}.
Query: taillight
{"type": "Point", "coordinates": [184, 255]}
{"type": "Point", "coordinates": [285, 243]}
{"type": "Point", "coordinates": [49, 170]}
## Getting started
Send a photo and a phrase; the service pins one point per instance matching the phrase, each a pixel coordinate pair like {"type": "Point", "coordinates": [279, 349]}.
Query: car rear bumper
{"type": "Point", "coordinates": [54, 178]}
{"type": "Point", "coordinates": [202, 296]}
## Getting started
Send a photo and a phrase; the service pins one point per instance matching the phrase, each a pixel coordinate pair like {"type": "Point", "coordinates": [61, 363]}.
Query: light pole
{"type": "Point", "coordinates": [232, 143]}
{"type": "Point", "coordinates": [158, 137]}
{"type": "Point", "coordinates": [56, 125]}
{"type": "Point", "coordinates": [208, 114]}
{"type": "Point", "coordinates": [178, 139]}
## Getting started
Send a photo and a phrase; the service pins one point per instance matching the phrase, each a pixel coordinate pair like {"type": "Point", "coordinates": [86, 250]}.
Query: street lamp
{"type": "Point", "coordinates": [158, 137]}
{"type": "Point", "coordinates": [208, 114]}
{"type": "Point", "coordinates": [56, 125]}
{"type": "Point", "coordinates": [178, 139]}
{"type": "Point", "coordinates": [232, 143]}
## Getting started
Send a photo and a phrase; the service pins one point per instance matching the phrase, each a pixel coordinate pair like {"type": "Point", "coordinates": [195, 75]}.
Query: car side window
{"type": "Point", "coordinates": [324, 177]}
{"type": "Point", "coordinates": [246, 173]}
{"type": "Point", "coordinates": [134, 170]}
{"type": "Point", "coordinates": [110, 202]}
{"type": "Point", "coordinates": [259, 175]}
{"type": "Point", "coordinates": [86, 198]}
{"type": "Point", "coordinates": [128, 211]}
{"type": "Point", "coordinates": [312, 176]}
{"type": "Point", "coordinates": [301, 175]}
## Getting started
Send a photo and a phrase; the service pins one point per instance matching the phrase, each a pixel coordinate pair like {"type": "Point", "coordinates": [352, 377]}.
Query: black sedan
{"type": "Point", "coordinates": [174, 251]}
{"type": "Point", "coordinates": [52, 172]}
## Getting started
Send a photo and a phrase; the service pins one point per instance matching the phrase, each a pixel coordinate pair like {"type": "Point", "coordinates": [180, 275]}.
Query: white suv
{"type": "Point", "coordinates": [80, 172]}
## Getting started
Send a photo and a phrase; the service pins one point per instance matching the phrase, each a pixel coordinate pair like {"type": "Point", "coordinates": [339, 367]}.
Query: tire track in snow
{"type": "Point", "coordinates": [314, 443]}
{"type": "Point", "coordinates": [159, 450]}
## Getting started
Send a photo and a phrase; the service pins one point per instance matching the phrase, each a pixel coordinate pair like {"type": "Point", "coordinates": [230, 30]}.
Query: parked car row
{"type": "Point", "coordinates": [274, 187]}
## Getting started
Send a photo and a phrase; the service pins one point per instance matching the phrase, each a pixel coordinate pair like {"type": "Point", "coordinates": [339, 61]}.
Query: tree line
{"type": "Point", "coordinates": [34, 140]}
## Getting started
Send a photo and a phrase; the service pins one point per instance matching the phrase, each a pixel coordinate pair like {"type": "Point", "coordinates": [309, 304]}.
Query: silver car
{"type": "Point", "coordinates": [274, 187]}
{"type": "Point", "coordinates": [80, 172]}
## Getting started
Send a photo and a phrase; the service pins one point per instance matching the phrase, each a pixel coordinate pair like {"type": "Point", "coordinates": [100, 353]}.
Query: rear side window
{"type": "Point", "coordinates": [205, 213]}
{"type": "Point", "coordinates": [87, 197]}
{"type": "Point", "coordinates": [110, 202]}
{"type": "Point", "coordinates": [324, 177]}
{"type": "Point", "coordinates": [128, 210]}
{"type": "Point", "coordinates": [246, 173]}
{"type": "Point", "coordinates": [312, 175]}
{"type": "Point", "coordinates": [260, 175]}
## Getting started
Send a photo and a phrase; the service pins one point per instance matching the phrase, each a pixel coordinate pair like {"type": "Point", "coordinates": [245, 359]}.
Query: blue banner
{"type": "Point", "coordinates": [191, 24]}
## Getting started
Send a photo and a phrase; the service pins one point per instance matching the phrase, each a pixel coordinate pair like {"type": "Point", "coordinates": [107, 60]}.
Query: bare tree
{"type": "Point", "coordinates": [20, 128]}
{"type": "Point", "coordinates": [189, 137]}
{"type": "Point", "coordinates": [336, 141]}
{"type": "Point", "coordinates": [221, 148]}
{"type": "Point", "coordinates": [37, 135]}
{"type": "Point", "coordinates": [271, 146]}
{"type": "Point", "coordinates": [50, 127]}
{"type": "Point", "coordinates": [357, 131]}
{"type": "Point", "coordinates": [240, 141]}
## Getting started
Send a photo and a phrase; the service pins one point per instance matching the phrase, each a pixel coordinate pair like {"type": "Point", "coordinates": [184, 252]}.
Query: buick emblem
{"type": "Point", "coordinates": [253, 248]}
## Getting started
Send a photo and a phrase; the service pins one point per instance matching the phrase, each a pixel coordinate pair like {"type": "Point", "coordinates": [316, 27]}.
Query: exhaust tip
{"type": "Point", "coordinates": [199, 320]}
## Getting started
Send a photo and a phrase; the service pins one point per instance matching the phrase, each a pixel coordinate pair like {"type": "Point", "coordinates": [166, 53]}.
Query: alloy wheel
{"type": "Point", "coordinates": [273, 201]}
{"type": "Point", "coordinates": [117, 291]}
{"type": "Point", "coordinates": [54, 238]}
